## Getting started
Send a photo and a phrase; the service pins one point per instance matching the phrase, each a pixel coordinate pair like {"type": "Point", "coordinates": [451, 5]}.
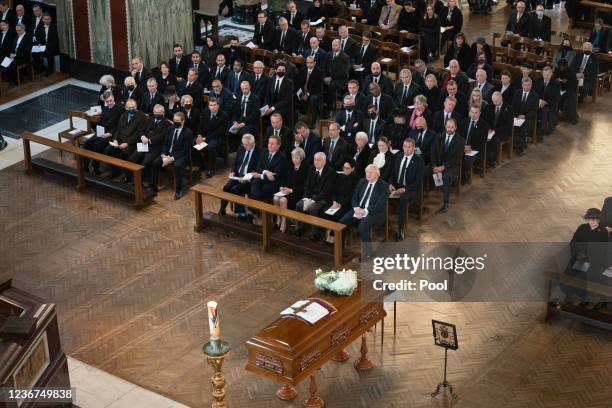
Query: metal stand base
{"type": "Point", "coordinates": [442, 385]}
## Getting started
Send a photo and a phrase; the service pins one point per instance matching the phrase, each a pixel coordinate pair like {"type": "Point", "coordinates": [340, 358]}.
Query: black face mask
{"type": "Point", "coordinates": [348, 108]}
{"type": "Point", "coordinates": [131, 87]}
{"type": "Point", "coordinates": [177, 125]}
{"type": "Point", "coordinates": [481, 61]}
{"type": "Point", "coordinates": [187, 106]}
{"type": "Point", "coordinates": [158, 117]}
{"type": "Point", "coordinates": [372, 115]}
{"type": "Point", "coordinates": [280, 74]}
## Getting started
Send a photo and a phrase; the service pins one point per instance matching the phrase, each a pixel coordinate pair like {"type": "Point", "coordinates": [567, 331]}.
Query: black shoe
{"type": "Point", "coordinates": [210, 173]}
{"type": "Point", "coordinates": [178, 196]}
{"type": "Point", "coordinates": [444, 209]}
{"type": "Point", "coordinates": [400, 236]}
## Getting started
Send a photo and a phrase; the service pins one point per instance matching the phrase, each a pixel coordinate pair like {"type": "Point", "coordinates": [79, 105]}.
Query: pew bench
{"type": "Point", "coordinates": [135, 192]}
{"type": "Point", "coordinates": [265, 232]}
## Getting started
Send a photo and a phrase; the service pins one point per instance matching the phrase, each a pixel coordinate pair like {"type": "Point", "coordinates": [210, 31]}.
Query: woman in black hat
{"type": "Point", "coordinates": [588, 254]}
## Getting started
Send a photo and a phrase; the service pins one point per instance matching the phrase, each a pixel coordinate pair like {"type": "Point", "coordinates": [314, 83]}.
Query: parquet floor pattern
{"type": "Point", "coordinates": [131, 288]}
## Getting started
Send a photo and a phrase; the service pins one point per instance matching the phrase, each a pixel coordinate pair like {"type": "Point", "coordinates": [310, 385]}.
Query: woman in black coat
{"type": "Point", "coordinates": [210, 52]}
{"type": "Point", "coordinates": [361, 153]}
{"type": "Point", "coordinates": [165, 78]}
{"type": "Point", "coordinates": [431, 91]}
{"type": "Point", "coordinates": [569, 100]}
{"type": "Point", "coordinates": [293, 186]}
{"type": "Point", "coordinates": [430, 34]}
{"type": "Point", "coordinates": [460, 51]}
{"type": "Point", "coordinates": [382, 157]}
{"type": "Point", "coordinates": [343, 194]}
{"type": "Point", "coordinates": [316, 12]}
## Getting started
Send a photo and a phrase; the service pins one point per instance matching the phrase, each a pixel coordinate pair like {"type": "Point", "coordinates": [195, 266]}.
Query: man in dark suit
{"type": "Point", "coordinates": [6, 39]}
{"type": "Point", "coordinates": [361, 101]}
{"type": "Point", "coordinates": [420, 72]}
{"type": "Point", "coordinates": [279, 97]}
{"type": "Point", "coordinates": [549, 91]}
{"type": "Point", "coordinates": [350, 120]}
{"type": "Point", "coordinates": [405, 182]}
{"type": "Point", "coordinates": [318, 191]}
{"type": "Point", "coordinates": [476, 132]}
{"type": "Point", "coordinates": [151, 98]}
{"type": "Point", "coordinates": [140, 73]}
{"type": "Point", "coordinates": [373, 125]}
{"type": "Point", "coordinates": [308, 140]}
{"type": "Point", "coordinates": [293, 15]}
{"type": "Point", "coordinates": [23, 18]}
{"type": "Point", "coordinates": [336, 73]}
{"type": "Point", "coordinates": [245, 115]}
{"type": "Point", "coordinates": [335, 148]}
{"type": "Point", "coordinates": [212, 131]}
{"type": "Point", "coordinates": [221, 71]}
{"type": "Point", "coordinates": [518, 22]}
{"type": "Point", "coordinates": [7, 14]}
{"type": "Point", "coordinates": [285, 38]}
{"type": "Point", "coordinates": [369, 205]}
{"type": "Point", "coordinates": [446, 157]}
{"type": "Point", "coordinates": [259, 80]}
{"type": "Point", "coordinates": [452, 20]}
{"type": "Point", "coordinates": [109, 120]}
{"type": "Point", "coordinates": [37, 21]}
{"type": "Point", "coordinates": [19, 51]}
{"type": "Point", "coordinates": [377, 77]}
{"type": "Point", "coordinates": [461, 100]}
{"type": "Point", "coordinates": [46, 36]}
{"type": "Point", "coordinates": [371, 11]}
{"type": "Point", "coordinates": [585, 65]}
{"type": "Point", "coordinates": [383, 102]}
{"type": "Point", "coordinates": [270, 171]}
{"type": "Point", "coordinates": [233, 52]}
{"type": "Point", "coordinates": [406, 89]}
{"type": "Point", "coordinates": [363, 56]}
{"type": "Point", "coordinates": [310, 88]}
{"type": "Point", "coordinates": [424, 139]}
{"type": "Point", "coordinates": [235, 78]}
{"type": "Point", "coordinates": [247, 158]}
{"type": "Point", "coordinates": [178, 63]}
{"type": "Point", "coordinates": [131, 126]}
{"type": "Point", "coordinates": [192, 87]}
{"type": "Point", "coordinates": [441, 117]}
{"type": "Point", "coordinates": [485, 87]}
{"type": "Point", "coordinates": [314, 50]}
{"type": "Point", "coordinates": [502, 123]}
{"type": "Point", "coordinates": [525, 106]}
{"type": "Point", "coordinates": [304, 36]}
{"type": "Point", "coordinates": [223, 95]}
{"type": "Point", "coordinates": [201, 67]}
{"type": "Point", "coordinates": [347, 44]}
{"type": "Point", "coordinates": [539, 25]}
{"type": "Point", "coordinates": [279, 130]}
{"type": "Point", "coordinates": [264, 32]}
{"type": "Point", "coordinates": [324, 40]}
{"type": "Point", "coordinates": [175, 153]}
{"type": "Point", "coordinates": [154, 136]}
{"type": "Point", "coordinates": [131, 91]}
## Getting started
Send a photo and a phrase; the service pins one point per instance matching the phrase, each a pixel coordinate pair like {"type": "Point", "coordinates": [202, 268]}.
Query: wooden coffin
{"type": "Point", "coordinates": [290, 349]}
{"type": "Point", "coordinates": [30, 351]}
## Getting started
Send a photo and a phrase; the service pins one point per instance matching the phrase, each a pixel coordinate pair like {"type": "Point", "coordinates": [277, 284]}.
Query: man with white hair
{"type": "Point", "coordinates": [369, 203]}
{"type": "Point", "coordinates": [318, 191]}
{"type": "Point", "coordinates": [486, 88]}
{"type": "Point", "coordinates": [454, 73]}
{"type": "Point", "coordinates": [350, 120]}
{"type": "Point", "coordinates": [285, 37]}
{"type": "Point", "coordinates": [259, 80]}
{"type": "Point", "coordinates": [130, 91]}
{"type": "Point", "coordinates": [151, 98]}
{"type": "Point", "coordinates": [585, 65]}
{"type": "Point", "coordinates": [247, 157]}
{"type": "Point", "coordinates": [501, 116]}
{"type": "Point", "coordinates": [19, 52]}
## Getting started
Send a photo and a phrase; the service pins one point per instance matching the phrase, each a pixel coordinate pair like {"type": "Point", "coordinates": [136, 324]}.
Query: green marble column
{"type": "Point", "coordinates": [99, 26]}
{"type": "Point", "coordinates": [154, 26]}
{"type": "Point", "coordinates": [65, 28]}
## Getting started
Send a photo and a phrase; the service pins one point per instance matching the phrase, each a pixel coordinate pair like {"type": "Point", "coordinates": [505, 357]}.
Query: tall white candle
{"type": "Point", "coordinates": [213, 320]}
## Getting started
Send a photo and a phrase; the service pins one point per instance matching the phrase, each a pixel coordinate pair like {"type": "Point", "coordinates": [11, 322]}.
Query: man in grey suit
{"type": "Point", "coordinates": [369, 205]}
{"type": "Point", "coordinates": [486, 88]}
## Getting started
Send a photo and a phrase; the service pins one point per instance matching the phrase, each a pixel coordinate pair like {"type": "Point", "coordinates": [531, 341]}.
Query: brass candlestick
{"type": "Point", "coordinates": [216, 351]}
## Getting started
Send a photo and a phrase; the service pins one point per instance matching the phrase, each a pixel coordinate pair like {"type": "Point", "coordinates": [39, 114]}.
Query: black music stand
{"type": "Point", "coordinates": [445, 335]}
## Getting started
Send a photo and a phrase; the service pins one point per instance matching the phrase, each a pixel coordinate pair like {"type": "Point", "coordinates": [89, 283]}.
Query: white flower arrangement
{"type": "Point", "coordinates": [342, 282]}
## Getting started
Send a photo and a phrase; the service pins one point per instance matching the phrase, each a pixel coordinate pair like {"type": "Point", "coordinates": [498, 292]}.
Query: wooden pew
{"type": "Point", "coordinates": [140, 197]}
{"type": "Point", "coordinates": [265, 232]}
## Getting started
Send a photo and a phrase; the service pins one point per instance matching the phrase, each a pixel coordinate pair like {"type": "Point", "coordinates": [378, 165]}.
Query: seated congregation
{"type": "Point", "coordinates": [322, 121]}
